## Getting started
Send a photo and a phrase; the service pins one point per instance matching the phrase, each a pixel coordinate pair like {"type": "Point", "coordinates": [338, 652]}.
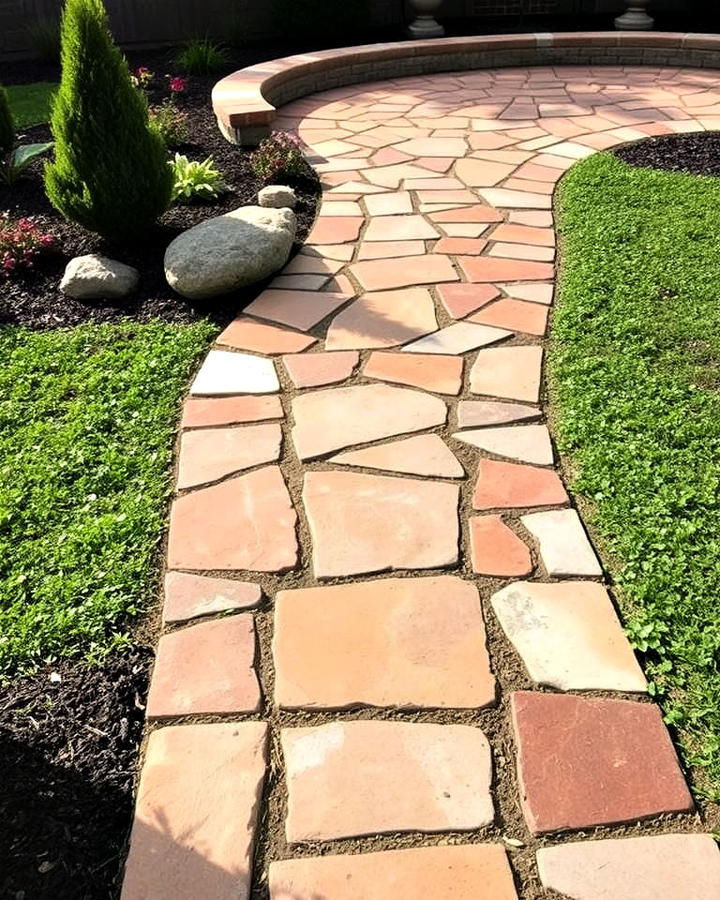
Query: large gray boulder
{"type": "Point", "coordinates": [95, 277]}
{"type": "Point", "coordinates": [230, 251]}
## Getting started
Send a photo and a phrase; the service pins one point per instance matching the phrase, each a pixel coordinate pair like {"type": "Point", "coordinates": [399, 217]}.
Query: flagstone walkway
{"type": "Point", "coordinates": [422, 688]}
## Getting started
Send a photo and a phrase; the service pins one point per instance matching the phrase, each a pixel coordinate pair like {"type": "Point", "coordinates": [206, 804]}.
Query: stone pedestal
{"type": "Point", "coordinates": [635, 18]}
{"type": "Point", "coordinates": [425, 26]}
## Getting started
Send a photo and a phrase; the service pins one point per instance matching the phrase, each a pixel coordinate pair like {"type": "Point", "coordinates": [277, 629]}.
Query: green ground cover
{"type": "Point", "coordinates": [30, 103]}
{"type": "Point", "coordinates": [88, 418]}
{"type": "Point", "coordinates": [635, 388]}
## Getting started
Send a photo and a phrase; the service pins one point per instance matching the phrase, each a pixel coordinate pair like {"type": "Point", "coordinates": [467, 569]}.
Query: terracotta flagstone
{"type": "Point", "coordinates": [211, 453]}
{"type": "Point", "coordinates": [466, 872]}
{"type": "Point", "coordinates": [350, 779]}
{"type": "Point", "coordinates": [191, 596]}
{"type": "Point", "coordinates": [437, 212]}
{"type": "Point", "coordinates": [655, 867]}
{"type": "Point", "coordinates": [205, 669]}
{"type": "Point", "coordinates": [382, 643]}
{"type": "Point", "coordinates": [425, 454]}
{"type": "Point", "coordinates": [383, 319]}
{"type": "Point", "coordinates": [247, 522]}
{"type": "Point", "coordinates": [433, 372]}
{"type": "Point", "coordinates": [330, 420]}
{"type": "Point", "coordinates": [371, 523]}
{"type": "Point", "coordinates": [196, 812]}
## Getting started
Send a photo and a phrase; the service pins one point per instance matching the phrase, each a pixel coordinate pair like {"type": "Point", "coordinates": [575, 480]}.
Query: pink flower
{"type": "Point", "coordinates": [47, 240]}
{"type": "Point", "coordinates": [178, 85]}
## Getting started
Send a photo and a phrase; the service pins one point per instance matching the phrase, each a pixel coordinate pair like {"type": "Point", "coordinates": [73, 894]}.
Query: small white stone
{"type": "Point", "coordinates": [277, 196]}
{"type": "Point", "coordinates": [225, 373]}
{"type": "Point", "coordinates": [564, 546]}
{"type": "Point", "coordinates": [94, 277]}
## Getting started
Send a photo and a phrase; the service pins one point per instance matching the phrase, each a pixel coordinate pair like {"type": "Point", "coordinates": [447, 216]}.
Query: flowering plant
{"type": "Point", "coordinates": [177, 85]}
{"type": "Point", "coordinates": [278, 155]}
{"type": "Point", "coordinates": [142, 77]}
{"type": "Point", "coordinates": [21, 242]}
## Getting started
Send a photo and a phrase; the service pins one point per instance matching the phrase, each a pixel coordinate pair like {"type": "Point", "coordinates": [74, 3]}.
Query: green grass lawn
{"type": "Point", "coordinates": [635, 387]}
{"type": "Point", "coordinates": [87, 423]}
{"type": "Point", "coordinates": [30, 103]}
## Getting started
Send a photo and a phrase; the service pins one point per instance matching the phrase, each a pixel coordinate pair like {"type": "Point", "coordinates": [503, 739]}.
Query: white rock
{"type": "Point", "coordinates": [224, 372]}
{"type": "Point", "coordinates": [230, 251]}
{"type": "Point", "coordinates": [277, 196]}
{"type": "Point", "coordinates": [94, 277]}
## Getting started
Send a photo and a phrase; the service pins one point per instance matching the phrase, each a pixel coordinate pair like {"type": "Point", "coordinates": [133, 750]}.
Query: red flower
{"type": "Point", "coordinates": [178, 85]}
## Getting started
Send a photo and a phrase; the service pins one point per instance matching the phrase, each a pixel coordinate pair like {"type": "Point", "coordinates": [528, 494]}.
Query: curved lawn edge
{"type": "Point", "coordinates": [633, 379]}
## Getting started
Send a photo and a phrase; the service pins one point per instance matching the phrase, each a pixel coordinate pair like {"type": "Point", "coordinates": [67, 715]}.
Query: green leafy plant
{"type": "Point", "coordinates": [279, 156]}
{"type": "Point", "coordinates": [110, 173]}
{"type": "Point", "coordinates": [201, 57]}
{"type": "Point", "coordinates": [14, 160]}
{"type": "Point", "coordinates": [170, 123]}
{"type": "Point", "coordinates": [18, 160]}
{"type": "Point", "coordinates": [195, 180]}
{"type": "Point", "coordinates": [44, 36]}
{"type": "Point", "coordinates": [7, 124]}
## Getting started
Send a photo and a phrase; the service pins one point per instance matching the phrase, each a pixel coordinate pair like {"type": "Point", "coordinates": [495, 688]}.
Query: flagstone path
{"type": "Point", "coordinates": [422, 688]}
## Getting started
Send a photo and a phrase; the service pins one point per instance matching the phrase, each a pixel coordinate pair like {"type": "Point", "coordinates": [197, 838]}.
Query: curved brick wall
{"type": "Point", "coordinates": [245, 101]}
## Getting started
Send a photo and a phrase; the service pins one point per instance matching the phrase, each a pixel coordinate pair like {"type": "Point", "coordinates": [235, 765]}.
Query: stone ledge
{"type": "Point", "coordinates": [245, 102]}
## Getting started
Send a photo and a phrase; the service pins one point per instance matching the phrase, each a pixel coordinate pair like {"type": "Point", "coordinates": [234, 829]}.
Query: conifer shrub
{"type": "Point", "coordinates": [110, 172]}
{"type": "Point", "coordinates": [7, 124]}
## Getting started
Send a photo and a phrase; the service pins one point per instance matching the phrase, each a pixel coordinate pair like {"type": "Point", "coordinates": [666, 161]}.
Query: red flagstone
{"type": "Point", "coordinates": [205, 669]}
{"type": "Point", "coordinates": [297, 309]}
{"type": "Point", "coordinates": [460, 245]}
{"type": "Point", "coordinates": [496, 550]}
{"type": "Point", "coordinates": [466, 872]}
{"type": "Point", "coordinates": [504, 485]}
{"type": "Point", "coordinates": [383, 319]}
{"type": "Point", "coordinates": [201, 411]}
{"type": "Point", "coordinates": [434, 372]}
{"type": "Point", "coordinates": [508, 372]}
{"type": "Point", "coordinates": [389, 249]}
{"type": "Point", "coordinates": [589, 761]}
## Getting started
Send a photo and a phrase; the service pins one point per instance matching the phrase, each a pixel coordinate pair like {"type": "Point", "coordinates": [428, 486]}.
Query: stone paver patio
{"type": "Point", "coordinates": [367, 490]}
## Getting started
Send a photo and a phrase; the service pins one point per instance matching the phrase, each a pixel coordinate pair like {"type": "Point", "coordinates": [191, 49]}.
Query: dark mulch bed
{"type": "Point", "coordinates": [69, 738]}
{"type": "Point", "coordinates": [694, 154]}
{"type": "Point", "coordinates": [34, 300]}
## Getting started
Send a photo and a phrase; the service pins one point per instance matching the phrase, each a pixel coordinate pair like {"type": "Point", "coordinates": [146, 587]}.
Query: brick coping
{"type": "Point", "coordinates": [245, 102]}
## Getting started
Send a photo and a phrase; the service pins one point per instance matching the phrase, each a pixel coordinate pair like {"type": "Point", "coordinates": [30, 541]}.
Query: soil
{"type": "Point", "coordinates": [34, 299]}
{"type": "Point", "coordinates": [69, 739]}
{"type": "Point", "coordinates": [693, 154]}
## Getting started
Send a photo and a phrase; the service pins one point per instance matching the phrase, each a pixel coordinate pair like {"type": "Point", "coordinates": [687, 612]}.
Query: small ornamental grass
{"type": "Point", "coordinates": [21, 243]}
{"type": "Point", "coordinates": [279, 156]}
{"type": "Point", "coordinates": [201, 57]}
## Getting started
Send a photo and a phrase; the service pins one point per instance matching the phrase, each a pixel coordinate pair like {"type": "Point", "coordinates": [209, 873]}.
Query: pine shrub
{"type": "Point", "coordinates": [7, 124]}
{"type": "Point", "coordinates": [110, 172]}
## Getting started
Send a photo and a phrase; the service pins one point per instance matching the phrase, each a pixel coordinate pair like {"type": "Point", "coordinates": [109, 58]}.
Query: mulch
{"type": "Point", "coordinates": [697, 153]}
{"type": "Point", "coordinates": [34, 299]}
{"type": "Point", "coordinates": [70, 734]}
{"type": "Point", "coordinates": [69, 739]}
